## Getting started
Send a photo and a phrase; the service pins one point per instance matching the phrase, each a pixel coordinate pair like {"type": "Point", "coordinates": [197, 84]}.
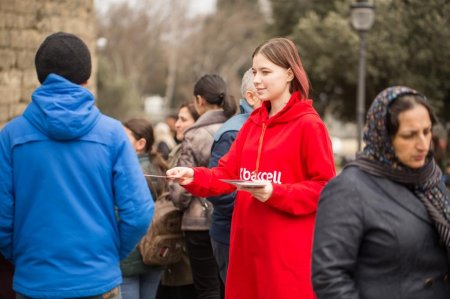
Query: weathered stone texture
{"type": "Point", "coordinates": [24, 24]}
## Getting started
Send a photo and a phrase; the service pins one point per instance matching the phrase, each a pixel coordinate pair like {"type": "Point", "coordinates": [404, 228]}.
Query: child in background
{"type": "Point", "coordinates": [140, 281]}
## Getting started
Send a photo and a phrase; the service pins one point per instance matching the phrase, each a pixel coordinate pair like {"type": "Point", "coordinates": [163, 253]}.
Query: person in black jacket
{"type": "Point", "coordinates": [383, 224]}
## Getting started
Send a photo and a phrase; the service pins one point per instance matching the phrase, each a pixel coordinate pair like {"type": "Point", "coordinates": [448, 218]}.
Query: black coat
{"type": "Point", "coordinates": [374, 240]}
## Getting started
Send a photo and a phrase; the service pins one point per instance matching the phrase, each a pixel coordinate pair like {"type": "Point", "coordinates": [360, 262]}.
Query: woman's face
{"type": "Point", "coordinates": [271, 81]}
{"type": "Point", "coordinates": [184, 121]}
{"type": "Point", "coordinates": [413, 139]}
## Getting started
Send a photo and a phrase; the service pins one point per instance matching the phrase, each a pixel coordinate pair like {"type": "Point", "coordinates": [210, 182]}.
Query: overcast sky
{"type": "Point", "coordinates": [195, 6]}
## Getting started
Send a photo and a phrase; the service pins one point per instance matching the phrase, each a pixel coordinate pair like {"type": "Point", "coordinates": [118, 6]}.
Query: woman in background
{"type": "Point", "coordinates": [214, 106]}
{"type": "Point", "coordinates": [383, 224]}
{"type": "Point", "coordinates": [176, 281]}
{"type": "Point", "coordinates": [187, 116]}
{"type": "Point", "coordinates": [140, 281]}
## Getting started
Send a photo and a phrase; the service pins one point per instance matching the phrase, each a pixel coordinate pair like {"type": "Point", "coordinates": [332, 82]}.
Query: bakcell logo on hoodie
{"type": "Point", "coordinates": [274, 177]}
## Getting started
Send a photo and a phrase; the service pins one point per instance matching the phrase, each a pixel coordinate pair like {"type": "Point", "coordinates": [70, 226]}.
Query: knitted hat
{"type": "Point", "coordinates": [63, 54]}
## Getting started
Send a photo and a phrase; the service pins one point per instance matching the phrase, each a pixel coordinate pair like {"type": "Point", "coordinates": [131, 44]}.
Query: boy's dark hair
{"type": "Point", "coordinates": [66, 55]}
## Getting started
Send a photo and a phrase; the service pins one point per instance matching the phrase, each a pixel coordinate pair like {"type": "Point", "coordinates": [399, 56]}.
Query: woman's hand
{"type": "Point", "coordinates": [261, 193]}
{"type": "Point", "coordinates": [184, 175]}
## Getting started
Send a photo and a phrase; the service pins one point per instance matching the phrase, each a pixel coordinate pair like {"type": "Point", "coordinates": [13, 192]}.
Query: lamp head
{"type": "Point", "coordinates": [362, 15]}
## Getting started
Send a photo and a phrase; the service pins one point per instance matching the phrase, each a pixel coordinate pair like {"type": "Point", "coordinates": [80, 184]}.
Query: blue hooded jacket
{"type": "Point", "coordinates": [64, 167]}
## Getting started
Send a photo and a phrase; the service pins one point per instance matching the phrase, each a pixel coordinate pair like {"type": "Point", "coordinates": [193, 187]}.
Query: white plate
{"type": "Point", "coordinates": [242, 183]}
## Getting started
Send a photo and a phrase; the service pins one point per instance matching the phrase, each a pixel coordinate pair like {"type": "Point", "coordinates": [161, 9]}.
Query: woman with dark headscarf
{"type": "Point", "coordinates": [382, 227]}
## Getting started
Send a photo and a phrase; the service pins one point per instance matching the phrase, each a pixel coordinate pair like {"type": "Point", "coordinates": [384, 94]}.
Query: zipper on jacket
{"type": "Point", "coordinates": [261, 138]}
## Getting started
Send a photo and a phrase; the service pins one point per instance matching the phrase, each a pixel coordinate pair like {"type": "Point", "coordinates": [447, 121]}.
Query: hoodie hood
{"type": "Point", "coordinates": [296, 107]}
{"type": "Point", "coordinates": [61, 109]}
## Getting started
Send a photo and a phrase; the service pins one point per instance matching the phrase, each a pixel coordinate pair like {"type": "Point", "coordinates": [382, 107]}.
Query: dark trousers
{"type": "Point", "coordinates": [221, 253]}
{"type": "Point", "coordinates": [6, 277]}
{"type": "Point", "coordinates": [178, 292]}
{"type": "Point", "coordinates": [204, 268]}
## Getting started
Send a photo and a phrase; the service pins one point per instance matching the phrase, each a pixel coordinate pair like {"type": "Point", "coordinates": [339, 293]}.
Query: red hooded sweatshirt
{"type": "Point", "coordinates": [271, 242]}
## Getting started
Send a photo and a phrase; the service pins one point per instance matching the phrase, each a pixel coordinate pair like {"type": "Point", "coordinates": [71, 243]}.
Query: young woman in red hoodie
{"type": "Point", "coordinates": [285, 146]}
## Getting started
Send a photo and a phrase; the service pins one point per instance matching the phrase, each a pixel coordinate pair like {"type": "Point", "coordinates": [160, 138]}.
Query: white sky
{"type": "Point", "coordinates": [195, 6]}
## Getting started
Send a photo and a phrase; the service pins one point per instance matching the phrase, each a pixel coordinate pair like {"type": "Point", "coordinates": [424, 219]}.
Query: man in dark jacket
{"type": "Point", "coordinates": [65, 169]}
{"type": "Point", "coordinates": [223, 205]}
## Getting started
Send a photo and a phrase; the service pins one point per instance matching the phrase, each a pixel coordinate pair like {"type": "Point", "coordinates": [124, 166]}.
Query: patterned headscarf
{"type": "Point", "coordinates": [378, 158]}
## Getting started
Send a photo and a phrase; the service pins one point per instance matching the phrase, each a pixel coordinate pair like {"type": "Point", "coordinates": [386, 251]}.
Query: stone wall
{"type": "Point", "coordinates": [24, 24]}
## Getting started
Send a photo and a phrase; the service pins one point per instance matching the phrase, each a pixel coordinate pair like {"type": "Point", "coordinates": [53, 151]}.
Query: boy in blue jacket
{"type": "Point", "coordinates": [64, 168]}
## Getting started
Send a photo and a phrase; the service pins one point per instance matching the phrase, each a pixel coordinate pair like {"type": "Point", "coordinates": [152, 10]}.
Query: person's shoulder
{"type": "Point", "coordinates": [348, 177]}
{"type": "Point", "coordinates": [231, 134]}
{"type": "Point", "coordinates": [309, 125]}
{"type": "Point", "coordinates": [107, 130]}
{"type": "Point", "coordinates": [222, 145]}
{"type": "Point", "coordinates": [17, 121]}
{"type": "Point", "coordinates": [107, 124]}
{"type": "Point", "coordinates": [236, 121]}
{"type": "Point", "coordinates": [310, 118]}
{"type": "Point", "coordinates": [346, 187]}
{"type": "Point", "coordinates": [109, 121]}
{"type": "Point", "coordinates": [18, 127]}
{"type": "Point", "coordinates": [354, 180]}
{"type": "Point", "coordinates": [201, 131]}
{"type": "Point", "coordinates": [353, 172]}
{"type": "Point", "coordinates": [232, 126]}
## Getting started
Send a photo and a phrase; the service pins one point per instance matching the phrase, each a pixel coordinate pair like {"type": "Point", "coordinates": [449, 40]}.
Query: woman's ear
{"type": "Point", "coordinates": [140, 145]}
{"type": "Point", "coordinates": [200, 104]}
{"type": "Point", "coordinates": [200, 101]}
{"type": "Point", "coordinates": [290, 74]}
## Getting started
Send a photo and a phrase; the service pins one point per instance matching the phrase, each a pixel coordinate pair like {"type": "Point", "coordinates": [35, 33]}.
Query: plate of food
{"type": "Point", "coordinates": [246, 184]}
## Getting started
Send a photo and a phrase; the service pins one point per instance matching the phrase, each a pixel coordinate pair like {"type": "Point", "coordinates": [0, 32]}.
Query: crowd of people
{"type": "Point", "coordinates": [263, 213]}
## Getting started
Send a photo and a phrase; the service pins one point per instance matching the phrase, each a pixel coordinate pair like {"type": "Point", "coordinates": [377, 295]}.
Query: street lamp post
{"type": "Point", "coordinates": [362, 18]}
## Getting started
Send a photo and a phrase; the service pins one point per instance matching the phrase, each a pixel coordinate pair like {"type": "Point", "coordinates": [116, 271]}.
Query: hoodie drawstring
{"type": "Point", "coordinates": [261, 138]}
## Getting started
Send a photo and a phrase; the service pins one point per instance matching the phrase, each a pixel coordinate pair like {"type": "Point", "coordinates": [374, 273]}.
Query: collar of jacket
{"type": "Point", "coordinates": [244, 106]}
{"type": "Point", "coordinates": [296, 107]}
{"type": "Point", "coordinates": [209, 118]}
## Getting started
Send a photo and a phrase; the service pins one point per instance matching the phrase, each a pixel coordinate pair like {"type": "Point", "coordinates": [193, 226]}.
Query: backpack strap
{"type": "Point", "coordinates": [153, 190]}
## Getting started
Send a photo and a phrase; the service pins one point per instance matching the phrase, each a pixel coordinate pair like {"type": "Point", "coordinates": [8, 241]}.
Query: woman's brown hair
{"type": "Point", "coordinates": [142, 128]}
{"type": "Point", "coordinates": [214, 90]}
